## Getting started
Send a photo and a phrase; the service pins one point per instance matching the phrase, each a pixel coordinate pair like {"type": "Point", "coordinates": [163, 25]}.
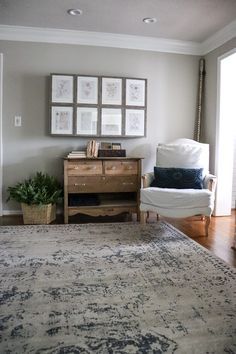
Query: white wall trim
{"type": "Point", "coordinates": [225, 55]}
{"type": "Point", "coordinates": [219, 38]}
{"type": "Point", "coordinates": [51, 35]}
{"type": "Point", "coordinates": [19, 212]}
{"type": "Point", "coordinates": [12, 212]}
{"type": "Point", "coordinates": [217, 133]}
{"type": "Point", "coordinates": [1, 145]}
{"type": "Point", "coordinates": [102, 39]}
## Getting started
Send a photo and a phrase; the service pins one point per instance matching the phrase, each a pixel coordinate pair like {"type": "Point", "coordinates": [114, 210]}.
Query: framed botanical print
{"type": "Point", "coordinates": [86, 122]}
{"type": "Point", "coordinates": [111, 91]}
{"type": "Point", "coordinates": [134, 122]}
{"type": "Point", "coordinates": [135, 92]}
{"type": "Point", "coordinates": [87, 105]}
{"type": "Point", "coordinates": [62, 88]}
{"type": "Point", "coordinates": [87, 89]}
{"type": "Point", "coordinates": [62, 120]}
{"type": "Point", "coordinates": [111, 121]}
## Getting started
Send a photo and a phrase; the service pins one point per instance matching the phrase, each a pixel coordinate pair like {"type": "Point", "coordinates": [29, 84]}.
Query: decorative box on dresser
{"type": "Point", "coordinates": [114, 182]}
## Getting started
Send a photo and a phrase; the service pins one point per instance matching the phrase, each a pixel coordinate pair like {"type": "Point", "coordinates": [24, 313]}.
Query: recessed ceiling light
{"type": "Point", "coordinates": [149, 20]}
{"type": "Point", "coordinates": [74, 12]}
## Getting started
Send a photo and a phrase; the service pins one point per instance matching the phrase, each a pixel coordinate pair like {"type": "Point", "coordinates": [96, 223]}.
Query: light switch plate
{"type": "Point", "coordinates": [17, 121]}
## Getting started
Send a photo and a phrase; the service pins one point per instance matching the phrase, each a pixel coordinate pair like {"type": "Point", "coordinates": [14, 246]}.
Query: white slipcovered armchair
{"type": "Point", "coordinates": [180, 203]}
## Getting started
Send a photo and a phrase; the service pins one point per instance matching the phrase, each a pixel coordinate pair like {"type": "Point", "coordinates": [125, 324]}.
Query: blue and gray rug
{"type": "Point", "coordinates": [113, 288]}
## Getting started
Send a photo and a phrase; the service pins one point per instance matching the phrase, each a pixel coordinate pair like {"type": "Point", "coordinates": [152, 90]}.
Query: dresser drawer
{"type": "Point", "coordinates": [102, 184]}
{"type": "Point", "coordinates": [121, 167]}
{"type": "Point", "coordinates": [84, 184]}
{"type": "Point", "coordinates": [122, 183]}
{"type": "Point", "coordinates": [84, 168]}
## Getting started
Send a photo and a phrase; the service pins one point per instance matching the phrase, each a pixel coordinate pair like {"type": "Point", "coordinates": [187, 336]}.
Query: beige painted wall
{"type": "Point", "coordinates": [172, 96]}
{"type": "Point", "coordinates": [209, 126]}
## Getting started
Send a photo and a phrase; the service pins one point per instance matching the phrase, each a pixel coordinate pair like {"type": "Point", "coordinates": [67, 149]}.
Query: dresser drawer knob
{"type": "Point", "coordinates": [79, 184]}
{"type": "Point", "coordinates": [76, 168]}
{"type": "Point", "coordinates": [113, 167]}
{"type": "Point", "coordinates": [127, 183]}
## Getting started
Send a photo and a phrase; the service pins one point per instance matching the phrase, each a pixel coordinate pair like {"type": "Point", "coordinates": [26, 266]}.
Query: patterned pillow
{"type": "Point", "coordinates": [180, 178]}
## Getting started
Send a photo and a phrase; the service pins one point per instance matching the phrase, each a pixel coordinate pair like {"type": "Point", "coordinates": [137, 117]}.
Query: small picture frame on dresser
{"type": "Point", "coordinates": [116, 146]}
{"type": "Point", "coordinates": [105, 145]}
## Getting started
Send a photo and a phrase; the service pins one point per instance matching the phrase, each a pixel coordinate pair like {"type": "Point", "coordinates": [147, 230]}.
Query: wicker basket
{"type": "Point", "coordinates": [38, 214]}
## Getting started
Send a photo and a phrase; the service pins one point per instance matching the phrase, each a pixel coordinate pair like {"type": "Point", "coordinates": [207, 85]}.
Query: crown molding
{"type": "Point", "coordinates": [51, 35]}
{"type": "Point", "coordinates": [219, 38]}
{"type": "Point", "coordinates": [113, 40]}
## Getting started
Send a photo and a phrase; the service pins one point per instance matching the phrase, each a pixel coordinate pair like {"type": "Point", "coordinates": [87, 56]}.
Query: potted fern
{"type": "Point", "coordinates": [38, 197]}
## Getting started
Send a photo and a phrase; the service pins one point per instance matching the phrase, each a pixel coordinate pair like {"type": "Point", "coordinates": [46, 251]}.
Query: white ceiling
{"type": "Point", "coordinates": [186, 20]}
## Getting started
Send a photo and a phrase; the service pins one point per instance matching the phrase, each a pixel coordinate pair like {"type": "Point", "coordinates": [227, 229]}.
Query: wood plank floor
{"type": "Point", "coordinates": [222, 231]}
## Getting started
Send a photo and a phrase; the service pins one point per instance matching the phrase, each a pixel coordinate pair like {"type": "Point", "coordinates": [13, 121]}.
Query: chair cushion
{"type": "Point", "coordinates": [179, 178]}
{"type": "Point", "coordinates": [177, 198]}
{"type": "Point", "coordinates": [183, 156]}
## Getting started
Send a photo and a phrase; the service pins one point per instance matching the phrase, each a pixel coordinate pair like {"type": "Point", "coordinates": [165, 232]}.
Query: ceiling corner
{"type": "Point", "coordinates": [219, 38]}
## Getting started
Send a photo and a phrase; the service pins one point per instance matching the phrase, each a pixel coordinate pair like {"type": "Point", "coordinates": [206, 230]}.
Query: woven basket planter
{"type": "Point", "coordinates": [38, 214]}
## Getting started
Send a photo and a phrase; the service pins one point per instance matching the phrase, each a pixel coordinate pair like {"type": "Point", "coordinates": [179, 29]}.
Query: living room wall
{"type": "Point", "coordinates": [171, 102]}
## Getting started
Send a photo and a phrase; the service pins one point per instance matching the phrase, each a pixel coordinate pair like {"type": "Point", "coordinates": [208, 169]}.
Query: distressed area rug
{"type": "Point", "coordinates": [113, 288]}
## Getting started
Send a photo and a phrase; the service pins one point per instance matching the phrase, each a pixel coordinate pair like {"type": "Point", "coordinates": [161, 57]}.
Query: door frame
{"type": "Point", "coordinates": [1, 144]}
{"type": "Point", "coordinates": [217, 136]}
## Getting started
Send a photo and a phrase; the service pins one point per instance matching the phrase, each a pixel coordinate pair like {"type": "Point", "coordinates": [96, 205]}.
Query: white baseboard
{"type": "Point", "coordinates": [19, 212]}
{"type": "Point", "coordinates": [12, 212]}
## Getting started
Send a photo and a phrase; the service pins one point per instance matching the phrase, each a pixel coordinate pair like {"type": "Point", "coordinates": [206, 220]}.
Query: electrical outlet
{"type": "Point", "coordinates": [17, 121]}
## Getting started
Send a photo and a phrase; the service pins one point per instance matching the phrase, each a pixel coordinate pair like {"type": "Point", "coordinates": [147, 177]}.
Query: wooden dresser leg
{"type": "Point", "coordinates": [138, 215]}
{"type": "Point", "coordinates": [143, 217]}
{"type": "Point", "coordinates": [66, 216]}
{"type": "Point", "coordinates": [208, 220]}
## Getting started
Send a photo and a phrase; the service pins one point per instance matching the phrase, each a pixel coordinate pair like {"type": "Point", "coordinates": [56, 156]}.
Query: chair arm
{"type": "Point", "coordinates": [147, 179]}
{"type": "Point", "coordinates": [210, 182]}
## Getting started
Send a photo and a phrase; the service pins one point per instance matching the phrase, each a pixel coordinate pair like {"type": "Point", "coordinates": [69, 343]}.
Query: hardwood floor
{"type": "Point", "coordinates": [222, 231]}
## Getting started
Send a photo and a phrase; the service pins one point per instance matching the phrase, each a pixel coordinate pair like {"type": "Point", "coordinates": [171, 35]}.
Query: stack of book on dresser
{"type": "Point", "coordinates": [92, 148]}
{"type": "Point", "coordinates": [76, 154]}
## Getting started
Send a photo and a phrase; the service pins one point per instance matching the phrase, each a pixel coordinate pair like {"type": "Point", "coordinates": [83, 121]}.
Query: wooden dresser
{"type": "Point", "coordinates": [101, 186]}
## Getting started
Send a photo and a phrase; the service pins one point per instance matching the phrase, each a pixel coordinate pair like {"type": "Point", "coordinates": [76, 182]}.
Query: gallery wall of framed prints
{"type": "Point", "coordinates": [97, 106]}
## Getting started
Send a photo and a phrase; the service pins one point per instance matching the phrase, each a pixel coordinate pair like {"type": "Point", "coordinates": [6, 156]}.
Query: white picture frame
{"type": "Point", "coordinates": [86, 121]}
{"type": "Point", "coordinates": [111, 121]}
{"type": "Point", "coordinates": [62, 88]}
{"type": "Point", "coordinates": [87, 89]}
{"type": "Point", "coordinates": [135, 92]}
{"type": "Point", "coordinates": [134, 122]}
{"type": "Point", "coordinates": [111, 91]}
{"type": "Point", "coordinates": [62, 120]}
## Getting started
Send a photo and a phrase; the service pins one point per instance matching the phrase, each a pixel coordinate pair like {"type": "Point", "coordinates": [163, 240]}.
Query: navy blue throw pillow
{"type": "Point", "coordinates": [180, 178]}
